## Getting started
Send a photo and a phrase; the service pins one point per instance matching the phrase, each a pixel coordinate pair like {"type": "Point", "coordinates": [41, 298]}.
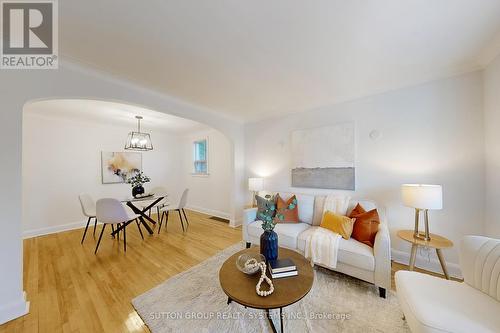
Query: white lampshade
{"type": "Point", "coordinates": [422, 196]}
{"type": "Point", "coordinates": [255, 184]}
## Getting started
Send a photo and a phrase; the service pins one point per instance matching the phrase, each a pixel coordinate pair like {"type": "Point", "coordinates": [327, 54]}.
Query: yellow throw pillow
{"type": "Point", "coordinates": [342, 225]}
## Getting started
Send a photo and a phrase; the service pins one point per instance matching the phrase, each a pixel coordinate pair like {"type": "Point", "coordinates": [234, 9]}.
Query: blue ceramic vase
{"type": "Point", "coordinates": [269, 245]}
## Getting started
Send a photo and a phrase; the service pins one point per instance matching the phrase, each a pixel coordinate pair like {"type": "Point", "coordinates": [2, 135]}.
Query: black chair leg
{"type": "Point", "coordinates": [113, 231]}
{"type": "Point", "coordinates": [182, 223]}
{"type": "Point", "coordinates": [139, 226]}
{"type": "Point", "coordinates": [160, 222]}
{"type": "Point", "coordinates": [85, 232]}
{"type": "Point", "coordinates": [124, 238]}
{"type": "Point", "coordinates": [100, 237]}
{"type": "Point", "coordinates": [158, 213]}
{"type": "Point", "coordinates": [166, 219]}
{"type": "Point", "coordinates": [95, 224]}
{"type": "Point", "coordinates": [185, 216]}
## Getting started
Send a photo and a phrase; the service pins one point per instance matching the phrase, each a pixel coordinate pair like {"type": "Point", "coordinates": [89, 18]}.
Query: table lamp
{"type": "Point", "coordinates": [422, 198]}
{"type": "Point", "coordinates": [255, 185]}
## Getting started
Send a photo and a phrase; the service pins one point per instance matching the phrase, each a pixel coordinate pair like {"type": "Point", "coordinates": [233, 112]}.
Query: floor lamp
{"type": "Point", "coordinates": [423, 198]}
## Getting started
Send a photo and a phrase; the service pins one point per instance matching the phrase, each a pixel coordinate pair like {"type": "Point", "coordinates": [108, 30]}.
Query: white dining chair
{"type": "Point", "coordinates": [111, 211]}
{"type": "Point", "coordinates": [88, 210]}
{"type": "Point", "coordinates": [179, 208]}
{"type": "Point", "coordinates": [158, 190]}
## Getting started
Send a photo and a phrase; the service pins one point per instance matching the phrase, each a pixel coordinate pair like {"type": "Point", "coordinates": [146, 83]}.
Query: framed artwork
{"type": "Point", "coordinates": [116, 167]}
{"type": "Point", "coordinates": [324, 157]}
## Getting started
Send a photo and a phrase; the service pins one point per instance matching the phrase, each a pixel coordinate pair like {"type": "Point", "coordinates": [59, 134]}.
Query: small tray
{"type": "Point", "coordinates": [142, 196]}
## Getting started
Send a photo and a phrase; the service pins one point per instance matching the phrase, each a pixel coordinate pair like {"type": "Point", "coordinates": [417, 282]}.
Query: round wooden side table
{"type": "Point", "coordinates": [436, 242]}
{"type": "Point", "coordinates": [240, 287]}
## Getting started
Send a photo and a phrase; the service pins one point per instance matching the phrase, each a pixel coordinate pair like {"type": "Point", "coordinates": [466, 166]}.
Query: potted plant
{"type": "Point", "coordinates": [137, 181]}
{"type": "Point", "coordinates": [268, 216]}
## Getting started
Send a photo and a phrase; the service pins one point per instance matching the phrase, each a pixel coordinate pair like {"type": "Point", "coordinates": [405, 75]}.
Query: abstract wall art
{"type": "Point", "coordinates": [116, 167]}
{"type": "Point", "coordinates": [323, 157]}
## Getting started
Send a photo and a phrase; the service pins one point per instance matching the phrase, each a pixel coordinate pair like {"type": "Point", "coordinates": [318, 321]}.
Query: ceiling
{"type": "Point", "coordinates": [113, 113]}
{"type": "Point", "coordinates": [254, 59]}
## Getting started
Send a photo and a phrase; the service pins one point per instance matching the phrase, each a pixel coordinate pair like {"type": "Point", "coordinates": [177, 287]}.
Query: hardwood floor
{"type": "Point", "coordinates": [72, 290]}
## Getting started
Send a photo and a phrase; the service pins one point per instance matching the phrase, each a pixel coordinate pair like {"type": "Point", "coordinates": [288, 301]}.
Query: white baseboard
{"type": "Point", "coordinates": [54, 229]}
{"type": "Point", "coordinates": [81, 224]}
{"type": "Point", "coordinates": [237, 223]}
{"type": "Point", "coordinates": [211, 212]}
{"type": "Point", "coordinates": [14, 310]}
{"type": "Point", "coordinates": [432, 265]}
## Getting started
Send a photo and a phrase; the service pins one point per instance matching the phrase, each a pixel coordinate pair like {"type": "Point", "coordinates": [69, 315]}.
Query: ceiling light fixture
{"type": "Point", "coordinates": [138, 140]}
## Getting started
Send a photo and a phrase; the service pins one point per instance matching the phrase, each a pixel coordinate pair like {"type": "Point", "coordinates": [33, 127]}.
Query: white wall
{"type": "Point", "coordinates": [209, 194]}
{"type": "Point", "coordinates": [430, 133]}
{"type": "Point", "coordinates": [492, 146]}
{"type": "Point", "coordinates": [62, 158]}
{"type": "Point", "coordinates": [74, 81]}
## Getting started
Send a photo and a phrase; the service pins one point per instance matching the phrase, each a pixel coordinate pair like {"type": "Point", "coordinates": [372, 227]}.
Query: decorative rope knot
{"type": "Point", "coordinates": [263, 277]}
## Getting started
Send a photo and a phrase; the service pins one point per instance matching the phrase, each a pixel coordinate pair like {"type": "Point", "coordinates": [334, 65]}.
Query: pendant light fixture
{"type": "Point", "coordinates": [138, 140]}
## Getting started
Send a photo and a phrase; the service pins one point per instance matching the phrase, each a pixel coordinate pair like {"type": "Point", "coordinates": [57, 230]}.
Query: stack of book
{"type": "Point", "coordinates": [281, 268]}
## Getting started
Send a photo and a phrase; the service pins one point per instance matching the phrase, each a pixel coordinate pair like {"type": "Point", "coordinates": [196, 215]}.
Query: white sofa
{"type": "Point", "coordinates": [433, 304]}
{"type": "Point", "coordinates": [354, 258]}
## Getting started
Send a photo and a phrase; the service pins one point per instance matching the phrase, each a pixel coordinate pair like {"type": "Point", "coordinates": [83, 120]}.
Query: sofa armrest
{"type": "Point", "coordinates": [249, 215]}
{"type": "Point", "coordinates": [382, 252]}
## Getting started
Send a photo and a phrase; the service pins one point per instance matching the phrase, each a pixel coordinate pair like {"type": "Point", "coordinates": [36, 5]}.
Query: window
{"type": "Point", "coordinates": [200, 157]}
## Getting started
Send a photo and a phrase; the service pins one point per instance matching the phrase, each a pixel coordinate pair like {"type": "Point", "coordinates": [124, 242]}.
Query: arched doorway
{"type": "Point", "coordinates": [63, 143]}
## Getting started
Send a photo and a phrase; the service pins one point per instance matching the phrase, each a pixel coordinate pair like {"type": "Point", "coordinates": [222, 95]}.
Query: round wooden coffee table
{"type": "Point", "coordinates": [240, 287]}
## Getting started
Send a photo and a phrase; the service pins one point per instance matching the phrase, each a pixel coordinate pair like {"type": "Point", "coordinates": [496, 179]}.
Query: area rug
{"type": "Point", "coordinates": [193, 301]}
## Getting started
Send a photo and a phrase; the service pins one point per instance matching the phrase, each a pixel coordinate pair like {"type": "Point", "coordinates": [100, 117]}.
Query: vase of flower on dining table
{"type": "Point", "coordinates": [137, 181]}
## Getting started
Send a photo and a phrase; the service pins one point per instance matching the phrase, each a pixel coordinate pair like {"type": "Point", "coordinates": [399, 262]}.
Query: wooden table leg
{"type": "Point", "coordinates": [143, 217]}
{"type": "Point", "coordinates": [413, 256]}
{"type": "Point", "coordinates": [146, 226]}
{"type": "Point", "coordinates": [439, 253]}
{"type": "Point", "coordinates": [143, 212]}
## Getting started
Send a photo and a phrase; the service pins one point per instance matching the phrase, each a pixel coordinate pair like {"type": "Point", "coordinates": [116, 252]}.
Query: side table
{"type": "Point", "coordinates": [436, 242]}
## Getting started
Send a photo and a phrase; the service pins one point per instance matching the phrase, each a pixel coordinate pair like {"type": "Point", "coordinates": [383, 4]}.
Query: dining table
{"type": "Point", "coordinates": [141, 210]}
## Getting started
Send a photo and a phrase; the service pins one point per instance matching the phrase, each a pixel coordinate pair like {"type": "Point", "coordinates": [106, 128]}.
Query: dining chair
{"type": "Point", "coordinates": [111, 211]}
{"type": "Point", "coordinates": [179, 208]}
{"type": "Point", "coordinates": [88, 210]}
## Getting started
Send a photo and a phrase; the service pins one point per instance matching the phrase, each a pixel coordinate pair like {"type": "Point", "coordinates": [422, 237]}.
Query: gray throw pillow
{"type": "Point", "coordinates": [261, 205]}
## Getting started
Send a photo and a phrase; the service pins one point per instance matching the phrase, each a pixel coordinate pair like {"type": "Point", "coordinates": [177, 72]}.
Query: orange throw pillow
{"type": "Point", "coordinates": [366, 225]}
{"type": "Point", "coordinates": [289, 215]}
{"type": "Point", "coordinates": [357, 210]}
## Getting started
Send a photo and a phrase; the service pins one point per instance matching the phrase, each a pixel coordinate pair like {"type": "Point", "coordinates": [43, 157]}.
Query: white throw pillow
{"type": "Point", "coordinates": [319, 203]}
{"type": "Point", "coordinates": [336, 204]}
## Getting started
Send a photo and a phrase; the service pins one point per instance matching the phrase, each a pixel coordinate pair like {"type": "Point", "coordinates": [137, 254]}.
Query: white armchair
{"type": "Point", "coordinates": [354, 258]}
{"type": "Point", "coordinates": [433, 304]}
